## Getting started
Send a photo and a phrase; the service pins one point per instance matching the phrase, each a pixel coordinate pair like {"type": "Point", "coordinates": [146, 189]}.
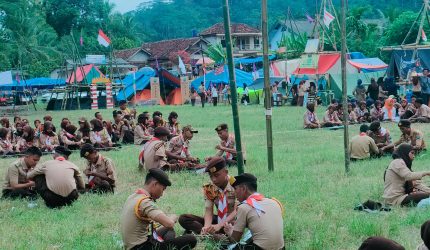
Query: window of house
{"type": "Point", "coordinates": [257, 44]}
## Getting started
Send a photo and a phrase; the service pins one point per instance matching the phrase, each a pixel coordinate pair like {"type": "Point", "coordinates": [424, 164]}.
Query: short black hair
{"type": "Point", "coordinates": [96, 113]}
{"type": "Point", "coordinates": [157, 113]}
{"type": "Point", "coordinates": [252, 187]}
{"type": "Point", "coordinates": [364, 128]}
{"type": "Point", "coordinates": [419, 100]}
{"type": "Point", "coordinates": [33, 151]}
{"type": "Point", "coordinates": [149, 178]}
{"type": "Point", "coordinates": [374, 126]}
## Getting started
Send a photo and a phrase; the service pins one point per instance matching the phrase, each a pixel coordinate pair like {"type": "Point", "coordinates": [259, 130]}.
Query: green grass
{"type": "Point", "coordinates": [309, 179]}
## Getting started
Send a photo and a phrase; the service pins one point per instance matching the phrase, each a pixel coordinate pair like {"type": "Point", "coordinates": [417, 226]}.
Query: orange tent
{"type": "Point", "coordinates": [175, 97]}
{"type": "Point", "coordinates": [145, 95]}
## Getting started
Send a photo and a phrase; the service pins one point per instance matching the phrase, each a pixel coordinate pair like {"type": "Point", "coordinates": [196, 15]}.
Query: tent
{"type": "Point", "coordinates": [401, 61]}
{"type": "Point", "coordinates": [221, 76]}
{"type": "Point", "coordinates": [39, 83]}
{"type": "Point", "coordinates": [175, 97]}
{"type": "Point", "coordinates": [142, 79]}
{"type": "Point", "coordinates": [328, 66]}
{"type": "Point", "coordinates": [85, 74]}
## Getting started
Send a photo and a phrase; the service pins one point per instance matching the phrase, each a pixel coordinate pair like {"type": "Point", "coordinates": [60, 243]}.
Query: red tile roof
{"type": "Point", "coordinates": [162, 49]}
{"type": "Point", "coordinates": [127, 53]}
{"type": "Point", "coordinates": [236, 28]}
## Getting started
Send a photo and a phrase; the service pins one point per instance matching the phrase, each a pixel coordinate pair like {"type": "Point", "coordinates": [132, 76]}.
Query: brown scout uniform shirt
{"type": "Point", "coordinates": [154, 154]}
{"type": "Point", "coordinates": [100, 137]}
{"type": "Point", "coordinates": [395, 178]}
{"type": "Point", "coordinates": [176, 144]}
{"type": "Point", "coordinates": [361, 145]}
{"type": "Point", "coordinates": [423, 111]}
{"type": "Point", "coordinates": [230, 143]}
{"type": "Point", "coordinates": [102, 166]}
{"type": "Point", "coordinates": [383, 137]}
{"type": "Point", "coordinates": [45, 140]}
{"type": "Point", "coordinates": [212, 194]}
{"type": "Point", "coordinates": [267, 228]}
{"type": "Point", "coordinates": [141, 134]}
{"type": "Point", "coordinates": [62, 176]}
{"type": "Point", "coordinates": [16, 174]}
{"type": "Point", "coordinates": [134, 229]}
{"type": "Point", "coordinates": [415, 139]}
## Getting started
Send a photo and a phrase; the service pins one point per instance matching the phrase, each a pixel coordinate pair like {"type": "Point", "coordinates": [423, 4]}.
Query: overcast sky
{"type": "Point", "coordinates": [127, 5]}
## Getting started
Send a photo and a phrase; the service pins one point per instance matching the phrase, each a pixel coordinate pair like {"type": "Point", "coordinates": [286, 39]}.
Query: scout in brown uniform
{"type": "Point", "coordinates": [262, 216]}
{"type": "Point", "coordinates": [99, 136]}
{"type": "Point", "coordinates": [140, 214]}
{"type": "Point", "coordinates": [16, 183]}
{"type": "Point", "coordinates": [227, 147]}
{"type": "Point", "coordinates": [218, 194]}
{"type": "Point", "coordinates": [141, 132]}
{"type": "Point", "coordinates": [99, 170]}
{"type": "Point", "coordinates": [6, 146]}
{"type": "Point", "coordinates": [48, 140]}
{"type": "Point", "coordinates": [153, 154]}
{"type": "Point", "coordinates": [362, 146]}
{"type": "Point", "coordinates": [179, 146]}
{"type": "Point", "coordinates": [58, 180]}
{"type": "Point", "coordinates": [26, 141]}
{"type": "Point", "coordinates": [423, 112]}
{"type": "Point", "coordinates": [172, 125]}
{"type": "Point", "coordinates": [381, 136]}
{"type": "Point", "coordinates": [411, 136]}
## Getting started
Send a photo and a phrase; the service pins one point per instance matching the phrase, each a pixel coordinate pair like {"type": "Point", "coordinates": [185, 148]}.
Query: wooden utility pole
{"type": "Point", "coordinates": [344, 88]}
{"type": "Point", "coordinates": [267, 92]}
{"type": "Point", "coordinates": [232, 79]}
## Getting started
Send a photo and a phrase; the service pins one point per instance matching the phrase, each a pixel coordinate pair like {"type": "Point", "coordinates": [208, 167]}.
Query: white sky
{"type": "Point", "coordinates": [127, 5]}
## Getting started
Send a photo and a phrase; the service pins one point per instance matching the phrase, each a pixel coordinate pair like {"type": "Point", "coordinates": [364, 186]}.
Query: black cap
{"type": "Point", "coordinates": [220, 127]}
{"type": "Point", "coordinates": [244, 178]}
{"type": "Point", "coordinates": [62, 151]}
{"type": "Point", "coordinates": [189, 128]}
{"type": "Point", "coordinates": [87, 149]}
{"type": "Point", "coordinates": [161, 131]}
{"type": "Point", "coordinates": [122, 102]}
{"type": "Point", "coordinates": [160, 176]}
{"type": "Point", "coordinates": [215, 164]}
{"type": "Point", "coordinates": [404, 123]}
{"type": "Point", "coordinates": [419, 100]}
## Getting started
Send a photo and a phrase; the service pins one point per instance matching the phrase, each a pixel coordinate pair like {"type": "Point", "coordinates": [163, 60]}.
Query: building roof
{"type": "Point", "coordinates": [236, 28]}
{"type": "Point", "coordinates": [127, 53]}
{"type": "Point", "coordinates": [162, 49]}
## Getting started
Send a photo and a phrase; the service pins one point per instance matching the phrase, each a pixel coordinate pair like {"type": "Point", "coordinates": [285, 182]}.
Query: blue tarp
{"type": "Point", "coordinates": [252, 60]}
{"type": "Point", "coordinates": [356, 55]}
{"type": "Point", "coordinates": [401, 62]}
{"type": "Point", "coordinates": [241, 78]}
{"type": "Point", "coordinates": [143, 77]}
{"type": "Point", "coordinates": [259, 83]}
{"type": "Point", "coordinates": [39, 83]}
{"type": "Point", "coordinates": [368, 65]}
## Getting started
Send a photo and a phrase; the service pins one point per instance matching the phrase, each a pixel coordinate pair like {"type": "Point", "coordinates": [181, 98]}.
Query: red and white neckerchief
{"type": "Point", "coordinates": [363, 134]}
{"type": "Point", "coordinates": [70, 136]}
{"type": "Point", "coordinates": [48, 140]}
{"type": "Point", "coordinates": [222, 206]}
{"type": "Point", "coordinates": [6, 144]}
{"type": "Point", "coordinates": [142, 153]}
{"type": "Point", "coordinates": [60, 158]}
{"type": "Point", "coordinates": [97, 136]}
{"type": "Point", "coordinates": [184, 150]}
{"type": "Point", "coordinates": [311, 116]}
{"type": "Point", "coordinates": [228, 155]}
{"type": "Point", "coordinates": [253, 201]}
{"type": "Point", "coordinates": [153, 229]}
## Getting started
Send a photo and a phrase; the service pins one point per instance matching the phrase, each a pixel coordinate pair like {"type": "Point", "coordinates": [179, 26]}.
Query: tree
{"type": "Point", "coordinates": [217, 53]}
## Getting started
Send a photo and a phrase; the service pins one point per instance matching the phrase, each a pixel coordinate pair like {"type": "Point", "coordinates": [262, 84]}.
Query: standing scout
{"type": "Point", "coordinates": [100, 170]}
{"type": "Point", "coordinates": [16, 183]}
{"type": "Point", "coordinates": [57, 180]}
{"type": "Point", "coordinates": [140, 214]}
{"type": "Point", "coordinates": [179, 146]}
{"type": "Point", "coordinates": [219, 194]}
{"type": "Point", "coordinates": [262, 216]}
{"type": "Point", "coordinates": [153, 154]}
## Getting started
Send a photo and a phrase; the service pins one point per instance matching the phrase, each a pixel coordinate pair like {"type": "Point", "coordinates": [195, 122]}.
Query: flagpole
{"type": "Point", "coordinates": [233, 87]}
{"type": "Point", "coordinates": [344, 90]}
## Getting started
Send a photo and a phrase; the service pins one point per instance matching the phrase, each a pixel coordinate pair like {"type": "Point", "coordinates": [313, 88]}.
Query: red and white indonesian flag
{"type": "Point", "coordinates": [103, 39]}
{"type": "Point", "coordinates": [328, 18]}
{"type": "Point", "coordinates": [423, 35]}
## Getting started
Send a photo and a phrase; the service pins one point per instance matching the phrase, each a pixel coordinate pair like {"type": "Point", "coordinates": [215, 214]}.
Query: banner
{"type": "Point", "coordinates": [6, 77]}
{"type": "Point", "coordinates": [309, 61]}
{"type": "Point", "coordinates": [185, 89]}
{"type": "Point", "coordinates": [155, 89]}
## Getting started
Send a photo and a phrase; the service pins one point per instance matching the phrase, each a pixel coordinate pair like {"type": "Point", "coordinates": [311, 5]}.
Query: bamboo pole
{"type": "Point", "coordinates": [344, 89]}
{"type": "Point", "coordinates": [232, 79]}
{"type": "Point", "coordinates": [267, 92]}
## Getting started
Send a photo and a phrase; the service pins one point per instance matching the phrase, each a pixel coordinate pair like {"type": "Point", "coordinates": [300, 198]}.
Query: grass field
{"type": "Point", "coordinates": [309, 179]}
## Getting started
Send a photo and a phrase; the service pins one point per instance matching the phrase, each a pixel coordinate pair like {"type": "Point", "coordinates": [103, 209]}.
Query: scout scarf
{"type": "Point", "coordinates": [97, 136]}
{"type": "Point", "coordinates": [222, 206]}
{"type": "Point", "coordinates": [6, 144]}
{"type": "Point", "coordinates": [253, 201]}
{"type": "Point", "coordinates": [311, 116]}
{"type": "Point", "coordinates": [142, 153]}
{"type": "Point", "coordinates": [136, 211]}
{"type": "Point", "coordinates": [228, 155]}
{"type": "Point", "coordinates": [184, 150]}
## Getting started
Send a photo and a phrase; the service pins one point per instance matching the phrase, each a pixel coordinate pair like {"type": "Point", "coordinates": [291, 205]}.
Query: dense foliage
{"type": "Point", "coordinates": [37, 35]}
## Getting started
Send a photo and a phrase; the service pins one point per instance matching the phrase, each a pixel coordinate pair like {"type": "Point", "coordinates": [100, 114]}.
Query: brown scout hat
{"type": "Point", "coordinates": [220, 127]}
{"type": "Point", "coordinates": [404, 123]}
{"type": "Point", "coordinates": [215, 164]}
{"type": "Point", "coordinates": [160, 176]}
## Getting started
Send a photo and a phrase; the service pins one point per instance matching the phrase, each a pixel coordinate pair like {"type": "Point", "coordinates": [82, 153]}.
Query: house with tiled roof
{"type": "Point", "coordinates": [247, 39]}
{"type": "Point", "coordinates": [135, 56]}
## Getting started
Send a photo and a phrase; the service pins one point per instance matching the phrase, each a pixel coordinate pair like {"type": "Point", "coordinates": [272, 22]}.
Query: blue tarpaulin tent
{"type": "Point", "coordinates": [39, 83]}
{"type": "Point", "coordinates": [252, 60]}
{"type": "Point", "coordinates": [143, 77]}
{"type": "Point", "coordinates": [211, 77]}
{"type": "Point", "coordinates": [401, 62]}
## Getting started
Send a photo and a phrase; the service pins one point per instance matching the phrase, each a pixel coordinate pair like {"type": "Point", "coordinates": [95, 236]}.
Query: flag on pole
{"type": "Point", "coordinates": [255, 73]}
{"type": "Point", "coordinates": [81, 40]}
{"type": "Point", "coordinates": [240, 66]}
{"type": "Point", "coordinates": [328, 18]}
{"type": "Point", "coordinates": [103, 39]}
{"type": "Point", "coordinates": [309, 18]}
{"type": "Point", "coordinates": [423, 36]}
{"type": "Point", "coordinates": [182, 66]}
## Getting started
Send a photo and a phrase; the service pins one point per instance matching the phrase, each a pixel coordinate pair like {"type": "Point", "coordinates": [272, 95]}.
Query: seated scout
{"type": "Point", "coordinates": [218, 194]}
{"type": "Point", "coordinates": [17, 185]}
{"type": "Point", "coordinates": [262, 216]}
{"type": "Point", "coordinates": [100, 170]}
{"type": "Point", "coordinates": [410, 136]}
{"type": "Point", "coordinates": [179, 146]}
{"type": "Point", "coordinates": [423, 112]}
{"type": "Point", "coordinates": [153, 154]}
{"type": "Point", "coordinates": [141, 132]}
{"type": "Point", "coordinates": [362, 146]}
{"type": "Point", "coordinates": [226, 148]}
{"type": "Point", "coordinates": [381, 136]}
{"type": "Point", "coordinates": [58, 180]}
{"type": "Point", "coordinates": [140, 214]}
